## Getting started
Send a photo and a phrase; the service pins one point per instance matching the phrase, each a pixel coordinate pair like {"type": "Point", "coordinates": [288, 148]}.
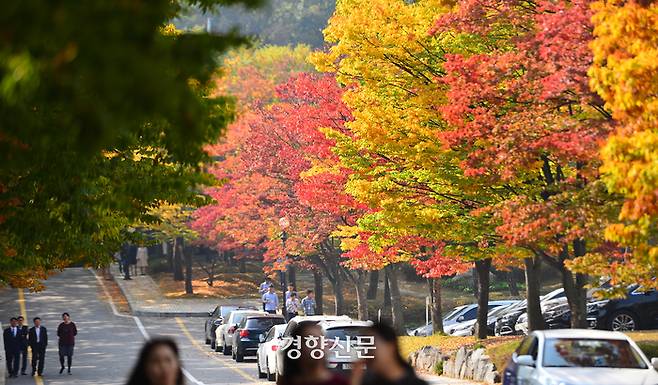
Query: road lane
{"type": "Point", "coordinates": [107, 343]}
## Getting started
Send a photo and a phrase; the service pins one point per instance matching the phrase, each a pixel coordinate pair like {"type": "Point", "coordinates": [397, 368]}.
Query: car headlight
{"type": "Point", "coordinates": [598, 305]}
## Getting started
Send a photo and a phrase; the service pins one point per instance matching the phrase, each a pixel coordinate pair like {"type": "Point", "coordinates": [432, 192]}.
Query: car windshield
{"type": "Point", "coordinates": [238, 317]}
{"type": "Point", "coordinates": [454, 313]}
{"type": "Point", "coordinates": [591, 353]}
{"type": "Point", "coordinates": [226, 310]}
{"type": "Point", "coordinates": [264, 323]}
{"type": "Point", "coordinates": [343, 332]}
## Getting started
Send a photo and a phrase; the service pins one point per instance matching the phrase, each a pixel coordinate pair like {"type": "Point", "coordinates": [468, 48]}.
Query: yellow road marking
{"type": "Point", "coordinates": [21, 304]}
{"type": "Point", "coordinates": [204, 350]}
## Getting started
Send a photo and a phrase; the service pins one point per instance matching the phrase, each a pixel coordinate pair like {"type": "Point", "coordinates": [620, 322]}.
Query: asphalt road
{"type": "Point", "coordinates": [108, 343]}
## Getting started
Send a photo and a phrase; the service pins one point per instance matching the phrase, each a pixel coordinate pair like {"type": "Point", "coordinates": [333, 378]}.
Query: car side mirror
{"type": "Point", "coordinates": [654, 362]}
{"type": "Point", "coordinates": [460, 318]}
{"type": "Point", "coordinates": [218, 322]}
{"type": "Point", "coordinates": [261, 338]}
{"type": "Point", "coordinates": [525, 360]}
{"type": "Point", "coordinates": [209, 314]}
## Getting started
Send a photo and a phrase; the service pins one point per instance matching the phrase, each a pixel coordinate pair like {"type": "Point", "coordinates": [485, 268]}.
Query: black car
{"type": "Point", "coordinates": [504, 324]}
{"type": "Point", "coordinates": [248, 334]}
{"type": "Point", "coordinates": [215, 319]}
{"type": "Point", "coordinates": [638, 310]}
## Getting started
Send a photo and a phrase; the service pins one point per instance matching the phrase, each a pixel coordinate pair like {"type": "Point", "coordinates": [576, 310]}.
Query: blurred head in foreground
{"type": "Point", "coordinates": [158, 364]}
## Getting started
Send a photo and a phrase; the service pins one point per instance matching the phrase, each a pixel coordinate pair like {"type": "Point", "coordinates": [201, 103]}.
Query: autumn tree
{"type": "Point", "coordinates": [521, 108]}
{"type": "Point", "coordinates": [624, 73]}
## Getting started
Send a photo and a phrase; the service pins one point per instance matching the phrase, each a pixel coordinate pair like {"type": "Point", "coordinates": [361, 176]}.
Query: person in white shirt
{"type": "Point", "coordinates": [38, 341]}
{"type": "Point", "coordinates": [292, 306]}
{"type": "Point", "coordinates": [142, 260]}
{"type": "Point", "coordinates": [271, 301]}
{"type": "Point", "coordinates": [264, 287]}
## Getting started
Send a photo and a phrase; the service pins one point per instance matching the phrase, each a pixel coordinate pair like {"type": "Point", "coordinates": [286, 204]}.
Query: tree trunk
{"type": "Point", "coordinates": [178, 259]}
{"type": "Point", "coordinates": [188, 272]}
{"type": "Point", "coordinates": [338, 294]}
{"type": "Point", "coordinates": [242, 266]}
{"type": "Point", "coordinates": [482, 267]}
{"type": "Point", "coordinates": [475, 283]}
{"type": "Point", "coordinates": [511, 283]}
{"type": "Point", "coordinates": [397, 313]}
{"type": "Point", "coordinates": [386, 307]}
{"type": "Point", "coordinates": [437, 313]}
{"type": "Point", "coordinates": [292, 276]}
{"type": "Point", "coordinates": [168, 252]}
{"type": "Point", "coordinates": [359, 278]}
{"type": "Point", "coordinates": [318, 290]}
{"type": "Point", "coordinates": [373, 285]}
{"type": "Point", "coordinates": [533, 284]}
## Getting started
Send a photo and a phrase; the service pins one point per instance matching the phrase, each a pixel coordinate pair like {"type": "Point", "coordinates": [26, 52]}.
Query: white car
{"type": "Point", "coordinates": [292, 324]}
{"type": "Point", "coordinates": [343, 338]}
{"type": "Point", "coordinates": [224, 332]}
{"type": "Point", "coordinates": [579, 357]}
{"type": "Point", "coordinates": [266, 353]}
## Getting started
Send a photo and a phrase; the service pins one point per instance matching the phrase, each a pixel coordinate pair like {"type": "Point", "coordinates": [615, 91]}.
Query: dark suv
{"type": "Point", "coordinates": [639, 310]}
{"type": "Point", "coordinates": [248, 334]}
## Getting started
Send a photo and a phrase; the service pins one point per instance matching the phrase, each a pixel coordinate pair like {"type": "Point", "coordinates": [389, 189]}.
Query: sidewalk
{"type": "Point", "coordinates": [145, 299]}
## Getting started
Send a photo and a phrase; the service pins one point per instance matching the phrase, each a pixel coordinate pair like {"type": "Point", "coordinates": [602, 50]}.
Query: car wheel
{"type": "Point", "coordinates": [225, 350]}
{"type": "Point", "coordinates": [260, 371]}
{"type": "Point", "coordinates": [239, 357]}
{"type": "Point", "coordinates": [270, 376]}
{"type": "Point", "coordinates": [207, 341]}
{"type": "Point", "coordinates": [623, 321]}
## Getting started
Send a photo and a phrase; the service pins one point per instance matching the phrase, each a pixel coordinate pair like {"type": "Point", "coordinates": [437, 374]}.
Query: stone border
{"type": "Point", "coordinates": [465, 363]}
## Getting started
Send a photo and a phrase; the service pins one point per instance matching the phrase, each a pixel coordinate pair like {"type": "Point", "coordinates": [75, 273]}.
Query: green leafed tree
{"type": "Point", "coordinates": [104, 112]}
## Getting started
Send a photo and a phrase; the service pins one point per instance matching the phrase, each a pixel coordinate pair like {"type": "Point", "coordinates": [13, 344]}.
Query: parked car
{"type": "Point", "coordinates": [428, 329]}
{"type": "Point", "coordinates": [579, 357]}
{"type": "Point", "coordinates": [215, 319]}
{"type": "Point", "coordinates": [224, 332]}
{"type": "Point", "coordinates": [266, 353]}
{"type": "Point", "coordinates": [248, 334]}
{"type": "Point", "coordinates": [552, 311]}
{"type": "Point", "coordinates": [342, 337]}
{"type": "Point", "coordinates": [638, 310]}
{"type": "Point", "coordinates": [506, 323]}
{"type": "Point", "coordinates": [298, 320]}
{"type": "Point", "coordinates": [462, 324]}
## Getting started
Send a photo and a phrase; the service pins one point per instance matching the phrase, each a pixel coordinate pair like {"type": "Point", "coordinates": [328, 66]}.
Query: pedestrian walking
{"type": "Point", "coordinates": [158, 364]}
{"type": "Point", "coordinates": [291, 289]}
{"type": "Point", "coordinates": [264, 286]}
{"type": "Point", "coordinates": [12, 339]}
{"type": "Point", "coordinates": [23, 332]}
{"type": "Point", "coordinates": [292, 306]}
{"type": "Point", "coordinates": [386, 367]}
{"type": "Point", "coordinates": [132, 259]}
{"type": "Point", "coordinates": [125, 261]}
{"type": "Point", "coordinates": [270, 301]}
{"type": "Point", "coordinates": [66, 331]}
{"type": "Point", "coordinates": [38, 341]}
{"type": "Point", "coordinates": [308, 303]}
{"type": "Point", "coordinates": [302, 365]}
{"type": "Point", "coordinates": [142, 259]}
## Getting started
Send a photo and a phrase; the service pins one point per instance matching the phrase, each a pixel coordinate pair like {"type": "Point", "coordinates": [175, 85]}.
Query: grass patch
{"type": "Point", "coordinates": [438, 368]}
{"type": "Point", "coordinates": [448, 344]}
{"type": "Point", "coordinates": [500, 353]}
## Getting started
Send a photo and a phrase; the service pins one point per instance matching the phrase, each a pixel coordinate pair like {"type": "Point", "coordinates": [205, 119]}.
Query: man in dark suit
{"type": "Point", "coordinates": [12, 338]}
{"type": "Point", "coordinates": [38, 339]}
{"type": "Point", "coordinates": [24, 330]}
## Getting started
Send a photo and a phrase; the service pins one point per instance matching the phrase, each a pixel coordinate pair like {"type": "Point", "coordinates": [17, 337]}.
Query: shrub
{"type": "Point", "coordinates": [438, 368]}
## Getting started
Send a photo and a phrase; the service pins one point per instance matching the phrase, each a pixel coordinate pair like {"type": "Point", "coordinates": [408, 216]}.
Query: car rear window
{"type": "Point", "coordinates": [591, 353]}
{"type": "Point", "coordinates": [240, 316]}
{"type": "Point", "coordinates": [343, 332]}
{"type": "Point", "coordinates": [263, 323]}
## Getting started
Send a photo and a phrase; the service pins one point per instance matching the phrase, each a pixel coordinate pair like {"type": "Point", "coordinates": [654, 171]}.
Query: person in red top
{"type": "Point", "coordinates": [307, 368]}
{"type": "Point", "coordinates": [66, 331]}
